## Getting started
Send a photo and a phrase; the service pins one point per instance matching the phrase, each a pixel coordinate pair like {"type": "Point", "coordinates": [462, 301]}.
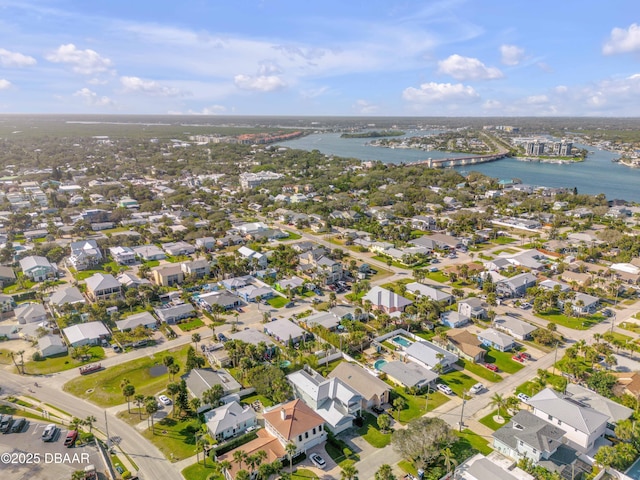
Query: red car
{"type": "Point", "coordinates": [525, 356]}
{"type": "Point", "coordinates": [518, 358]}
{"type": "Point", "coordinates": [491, 367]}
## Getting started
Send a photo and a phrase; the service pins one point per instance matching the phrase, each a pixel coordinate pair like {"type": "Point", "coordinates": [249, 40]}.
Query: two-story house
{"type": "Point", "coordinates": [229, 420]}
{"type": "Point", "coordinates": [123, 255]}
{"type": "Point", "coordinates": [168, 275]}
{"type": "Point", "coordinates": [101, 286]}
{"type": "Point", "coordinates": [85, 254]}
{"type": "Point", "coordinates": [37, 268]}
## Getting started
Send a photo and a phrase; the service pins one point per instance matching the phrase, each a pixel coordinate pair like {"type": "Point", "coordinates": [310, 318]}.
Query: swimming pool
{"type": "Point", "coordinates": [634, 471]}
{"type": "Point", "coordinates": [402, 341]}
{"type": "Point", "coordinates": [379, 364]}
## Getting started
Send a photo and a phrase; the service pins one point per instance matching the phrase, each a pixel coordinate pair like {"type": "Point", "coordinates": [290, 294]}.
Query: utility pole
{"type": "Point", "coordinates": [555, 358]}
{"type": "Point", "coordinates": [464, 400]}
{"type": "Point", "coordinates": [106, 422]}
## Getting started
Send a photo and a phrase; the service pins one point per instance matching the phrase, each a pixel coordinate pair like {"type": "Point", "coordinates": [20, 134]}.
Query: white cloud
{"type": "Point", "coordinates": [364, 107]}
{"type": "Point", "coordinates": [561, 89]}
{"type": "Point", "coordinates": [149, 87]}
{"type": "Point", "coordinates": [314, 92]}
{"type": "Point", "coordinates": [4, 84]}
{"type": "Point", "coordinates": [15, 59]}
{"type": "Point", "coordinates": [210, 110]}
{"type": "Point", "coordinates": [536, 99]}
{"type": "Point", "coordinates": [492, 105]}
{"type": "Point", "coordinates": [433, 92]}
{"type": "Point", "coordinates": [511, 54]}
{"type": "Point", "coordinates": [85, 62]}
{"type": "Point", "coordinates": [467, 68]}
{"type": "Point", "coordinates": [92, 98]}
{"type": "Point", "coordinates": [622, 41]}
{"type": "Point", "coordinates": [260, 83]}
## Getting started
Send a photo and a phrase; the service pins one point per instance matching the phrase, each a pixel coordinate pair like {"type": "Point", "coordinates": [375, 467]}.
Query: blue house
{"type": "Point", "coordinates": [453, 319]}
{"type": "Point", "coordinates": [498, 340]}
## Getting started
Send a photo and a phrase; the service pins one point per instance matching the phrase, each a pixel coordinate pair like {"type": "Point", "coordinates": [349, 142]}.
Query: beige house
{"type": "Point", "coordinates": [374, 391]}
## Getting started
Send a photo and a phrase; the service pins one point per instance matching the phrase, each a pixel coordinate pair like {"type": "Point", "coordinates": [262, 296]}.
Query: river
{"type": "Point", "coordinates": [597, 174]}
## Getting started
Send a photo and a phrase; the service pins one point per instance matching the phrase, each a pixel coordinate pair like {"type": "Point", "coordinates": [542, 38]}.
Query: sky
{"type": "Point", "coordinates": [329, 57]}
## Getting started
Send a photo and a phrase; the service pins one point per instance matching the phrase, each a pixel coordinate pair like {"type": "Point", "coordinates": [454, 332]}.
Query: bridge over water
{"type": "Point", "coordinates": [460, 161]}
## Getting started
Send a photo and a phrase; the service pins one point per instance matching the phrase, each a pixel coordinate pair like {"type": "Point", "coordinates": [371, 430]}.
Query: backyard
{"type": "Point", "coordinates": [278, 301]}
{"type": "Point", "coordinates": [372, 434]}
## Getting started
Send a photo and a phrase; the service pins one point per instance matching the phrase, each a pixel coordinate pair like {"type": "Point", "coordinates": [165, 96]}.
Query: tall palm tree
{"type": "Point", "coordinates": [385, 472]}
{"type": "Point", "coordinates": [349, 472]}
{"type": "Point", "coordinates": [138, 401]}
{"type": "Point", "coordinates": [128, 391]}
{"type": "Point", "coordinates": [497, 400]}
{"type": "Point", "coordinates": [239, 456]}
{"type": "Point", "coordinates": [89, 421]}
{"type": "Point", "coordinates": [195, 338]}
{"type": "Point", "coordinates": [290, 448]}
{"type": "Point", "coordinates": [151, 406]}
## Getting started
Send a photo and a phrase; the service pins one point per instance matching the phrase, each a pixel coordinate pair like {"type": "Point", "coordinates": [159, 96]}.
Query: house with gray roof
{"type": "Point", "coordinates": [123, 255]}
{"type": "Point", "coordinates": [453, 319]}
{"type": "Point", "coordinates": [37, 268]}
{"type": "Point", "coordinates": [515, 286]}
{"type": "Point", "coordinates": [30, 313]}
{"type": "Point", "coordinates": [51, 345]}
{"type": "Point", "coordinates": [178, 248]}
{"type": "Point", "coordinates": [144, 319]}
{"type": "Point", "coordinates": [7, 303]}
{"type": "Point", "coordinates": [614, 410]}
{"type": "Point", "coordinates": [229, 420]}
{"type": "Point", "coordinates": [335, 401]}
{"type": "Point", "coordinates": [251, 293]}
{"type": "Point", "coordinates": [583, 426]}
{"type": "Point", "coordinates": [101, 286]}
{"type": "Point", "coordinates": [7, 276]}
{"type": "Point", "coordinates": [430, 356]}
{"type": "Point", "coordinates": [529, 436]}
{"type": "Point", "coordinates": [224, 299]}
{"type": "Point", "coordinates": [68, 295]}
{"type": "Point", "coordinates": [285, 331]}
{"type": "Point", "coordinates": [518, 329]}
{"type": "Point", "coordinates": [435, 294]}
{"type": "Point", "coordinates": [149, 253]}
{"type": "Point", "coordinates": [374, 392]}
{"type": "Point", "coordinates": [255, 337]}
{"type": "Point", "coordinates": [409, 374]}
{"type": "Point", "coordinates": [323, 319]}
{"type": "Point", "coordinates": [582, 304]}
{"type": "Point", "coordinates": [175, 313]}
{"type": "Point", "coordinates": [199, 380]}
{"type": "Point", "coordinates": [473, 307]}
{"type": "Point", "coordinates": [386, 300]}
{"type": "Point", "coordinates": [498, 340]}
{"type": "Point", "coordinates": [492, 467]}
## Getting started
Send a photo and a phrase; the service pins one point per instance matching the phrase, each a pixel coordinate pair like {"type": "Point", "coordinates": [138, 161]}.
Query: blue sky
{"type": "Point", "coordinates": [348, 57]}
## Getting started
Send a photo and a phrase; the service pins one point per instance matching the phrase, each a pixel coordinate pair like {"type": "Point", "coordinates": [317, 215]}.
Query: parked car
{"type": "Point", "coordinates": [222, 337]}
{"type": "Point", "coordinates": [518, 358]}
{"type": "Point", "coordinates": [164, 400]}
{"type": "Point", "coordinates": [71, 438]}
{"type": "Point", "coordinates": [444, 389]}
{"type": "Point", "coordinates": [18, 425]}
{"type": "Point", "coordinates": [317, 460]}
{"type": "Point", "coordinates": [491, 367]}
{"type": "Point", "coordinates": [290, 305]}
{"type": "Point", "coordinates": [525, 356]}
{"type": "Point", "coordinates": [523, 398]}
{"type": "Point", "coordinates": [49, 433]}
{"type": "Point", "coordinates": [477, 388]}
{"type": "Point", "coordinates": [377, 410]}
{"type": "Point", "coordinates": [116, 348]}
{"type": "Point", "coordinates": [5, 424]}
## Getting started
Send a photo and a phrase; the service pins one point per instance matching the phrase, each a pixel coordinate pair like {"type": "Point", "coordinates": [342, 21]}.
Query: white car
{"type": "Point", "coordinates": [523, 398]}
{"type": "Point", "coordinates": [317, 460]}
{"type": "Point", "coordinates": [49, 432]}
{"type": "Point", "coordinates": [444, 389]}
{"type": "Point", "coordinates": [477, 388]}
{"type": "Point", "coordinates": [164, 400]}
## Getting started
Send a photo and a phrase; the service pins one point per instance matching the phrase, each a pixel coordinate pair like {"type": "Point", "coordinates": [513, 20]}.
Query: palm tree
{"type": "Point", "coordinates": [195, 338]}
{"type": "Point", "coordinates": [385, 472]}
{"type": "Point", "coordinates": [497, 400]}
{"type": "Point", "coordinates": [290, 448]}
{"type": "Point", "coordinates": [173, 389]}
{"type": "Point", "coordinates": [243, 475]}
{"type": "Point", "coordinates": [399, 404]}
{"type": "Point", "coordinates": [448, 458]}
{"type": "Point", "coordinates": [239, 456]}
{"type": "Point", "coordinates": [349, 472]}
{"type": "Point", "coordinates": [89, 421]}
{"type": "Point", "coordinates": [21, 354]}
{"type": "Point", "coordinates": [151, 406]}
{"type": "Point", "coordinates": [128, 391]}
{"type": "Point", "coordinates": [138, 401]}
{"type": "Point", "coordinates": [173, 369]}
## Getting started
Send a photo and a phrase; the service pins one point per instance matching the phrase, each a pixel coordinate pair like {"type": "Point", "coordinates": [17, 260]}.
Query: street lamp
{"type": "Point", "coordinates": [464, 400]}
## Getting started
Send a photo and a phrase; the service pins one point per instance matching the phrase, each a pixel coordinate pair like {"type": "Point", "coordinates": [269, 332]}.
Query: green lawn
{"type": "Point", "coordinates": [292, 236]}
{"type": "Point", "coordinates": [618, 337]}
{"type": "Point", "coordinates": [7, 410]}
{"type": "Point", "coordinates": [437, 276]}
{"type": "Point", "coordinates": [103, 388]}
{"type": "Point", "coordinates": [408, 467]}
{"type": "Point", "coordinates": [303, 473]}
{"type": "Point", "coordinates": [479, 370]}
{"type": "Point", "coordinates": [384, 259]}
{"type": "Point", "coordinates": [191, 325]}
{"type": "Point", "coordinates": [577, 323]}
{"type": "Point", "coordinates": [488, 420]}
{"type": "Point", "coordinates": [278, 301]}
{"type": "Point", "coordinates": [503, 361]}
{"type": "Point", "coordinates": [84, 274]}
{"type": "Point", "coordinates": [252, 398]}
{"type": "Point", "coordinates": [370, 432]}
{"type": "Point", "coordinates": [197, 471]}
{"type": "Point", "coordinates": [415, 405]}
{"type": "Point", "coordinates": [630, 326]}
{"type": "Point", "coordinates": [503, 240]}
{"type": "Point", "coordinates": [458, 381]}
{"type": "Point", "coordinates": [531, 388]}
{"type": "Point", "coordinates": [59, 363]}
{"type": "Point", "coordinates": [473, 440]}
{"type": "Point", "coordinates": [152, 263]}
{"type": "Point", "coordinates": [174, 438]}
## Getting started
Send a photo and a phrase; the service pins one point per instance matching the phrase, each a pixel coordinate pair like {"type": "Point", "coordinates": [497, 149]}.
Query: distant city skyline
{"type": "Point", "coordinates": [278, 57]}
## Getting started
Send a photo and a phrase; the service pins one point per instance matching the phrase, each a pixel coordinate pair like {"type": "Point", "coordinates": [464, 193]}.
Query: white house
{"type": "Point", "coordinates": [50, 345]}
{"type": "Point", "coordinates": [430, 355]}
{"type": "Point", "coordinates": [495, 339]}
{"type": "Point", "coordinates": [85, 254]}
{"type": "Point", "coordinates": [516, 328]}
{"type": "Point", "coordinates": [297, 423]}
{"type": "Point", "coordinates": [386, 300]}
{"type": "Point", "coordinates": [86, 333]}
{"type": "Point", "coordinates": [30, 313]}
{"type": "Point", "coordinates": [435, 294]}
{"type": "Point", "coordinates": [37, 268]}
{"type": "Point", "coordinates": [229, 420]}
{"type": "Point", "coordinates": [123, 255]}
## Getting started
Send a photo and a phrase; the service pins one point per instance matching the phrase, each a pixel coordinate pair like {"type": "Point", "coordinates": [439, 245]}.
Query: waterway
{"type": "Point", "coordinates": [597, 174]}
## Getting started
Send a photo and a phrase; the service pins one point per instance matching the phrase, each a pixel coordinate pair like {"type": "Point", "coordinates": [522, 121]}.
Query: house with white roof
{"type": "Point", "coordinates": [144, 319]}
{"type": "Point", "coordinates": [30, 313]}
{"type": "Point", "coordinates": [251, 293]}
{"type": "Point", "coordinates": [386, 300]}
{"type": "Point", "coordinates": [64, 296]}
{"type": "Point", "coordinates": [252, 256]}
{"type": "Point", "coordinates": [552, 285]}
{"type": "Point", "coordinates": [229, 420]}
{"type": "Point", "coordinates": [515, 286]}
{"type": "Point", "coordinates": [453, 319]}
{"type": "Point", "coordinates": [492, 467]}
{"type": "Point", "coordinates": [336, 402]}
{"type": "Point", "coordinates": [90, 333]}
{"type": "Point", "coordinates": [409, 374]}
{"type": "Point", "coordinates": [435, 294]}
{"type": "Point", "coordinates": [85, 254]}
{"type": "Point", "coordinates": [516, 328]}
{"type": "Point", "coordinates": [582, 303]}
{"type": "Point", "coordinates": [583, 426]}
{"type": "Point", "coordinates": [614, 410]}
{"type": "Point", "coordinates": [101, 286]}
{"type": "Point", "coordinates": [123, 255]}
{"type": "Point", "coordinates": [175, 313]}
{"type": "Point", "coordinates": [178, 248]}
{"type": "Point", "coordinates": [473, 307]}
{"type": "Point", "coordinates": [430, 356]}
{"type": "Point", "coordinates": [498, 340]}
{"type": "Point", "coordinates": [7, 303]}
{"type": "Point", "coordinates": [149, 253]}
